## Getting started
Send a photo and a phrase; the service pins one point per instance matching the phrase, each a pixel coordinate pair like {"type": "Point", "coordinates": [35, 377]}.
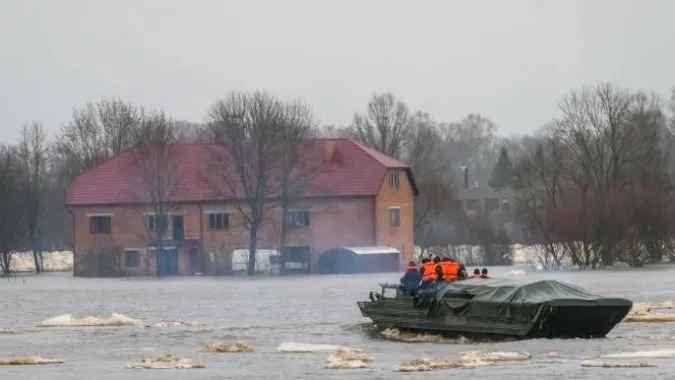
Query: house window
{"type": "Point", "coordinates": [298, 218]}
{"type": "Point", "coordinates": [219, 221]}
{"type": "Point", "coordinates": [393, 179]}
{"type": "Point", "coordinates": [132, 259]}
{"type": "Point", "coordinates": [394, 216]}
{"type": "Point", "coordinates": [99, 224]}
{"type": "Point", "coordinates": [151, 223]}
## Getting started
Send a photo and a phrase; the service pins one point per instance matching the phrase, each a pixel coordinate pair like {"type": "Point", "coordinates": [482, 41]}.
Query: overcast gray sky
{"type": "Point", "coordinates": [509, 60]}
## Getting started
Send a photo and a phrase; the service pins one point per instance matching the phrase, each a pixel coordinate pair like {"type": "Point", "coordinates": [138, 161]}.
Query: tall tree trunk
{"type": "Point", "coordinates": [5, 262]}
{"type": "Point", "coordinates": [253, 247]}
{"type": "Point", "coordinates": [282, 239]}
{"type": "Point", "coordinates": [161, 233]}
{"type": "Point", "coordinates": [36, 257]}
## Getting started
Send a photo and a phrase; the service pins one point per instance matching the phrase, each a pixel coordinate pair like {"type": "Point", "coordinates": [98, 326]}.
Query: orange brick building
{"type": "Point", "coordinates": [359, 198]}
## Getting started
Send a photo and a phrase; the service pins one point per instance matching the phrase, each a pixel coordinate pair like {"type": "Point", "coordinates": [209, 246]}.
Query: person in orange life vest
{"type": "Point", "coordinates": [427, 272]}
{"type": "Point", "coordinates": [432, 271]}
{"type": "Point", "coordinates": [476, 273]}
{"type": "Point", "coordinates": [483, 273]}
{"type": "Point", "coordinates": [410, 281]}
{"type": "Point", "coordinates": [449, 268]}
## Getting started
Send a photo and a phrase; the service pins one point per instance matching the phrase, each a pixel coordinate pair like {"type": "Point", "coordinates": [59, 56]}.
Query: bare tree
{"type": "Point", "coordinates": [537, 178]}
{"type": "Point", "coordinates": [32, 155]}
{"type": "Point", "coordinates": [298, 166]}
{"type": "Point", "coordinates": [248, 129]}
{"type": "Point", "coordinates": [98, 131]}
{"type": "Point", "coordinates": [595, 127]}
{"type": "Point", "coordinates": [157, 168]}
{"type": "Point", "coordinates": [11, 223]}
{"type": "Point", "coordinates": [193, 132]}
{"type": "Point", "coordinates": [424, 153]}
{"type": "Point", "coordinates": [473, 143]}
{"type": "Point", "coordinates": [385, 126]}
{"type": "Point", "coordinates": [333, 131]}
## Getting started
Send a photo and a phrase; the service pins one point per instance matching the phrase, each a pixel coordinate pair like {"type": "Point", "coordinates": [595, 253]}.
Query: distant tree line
{"type": "Point", "coordinates": [593, 186]}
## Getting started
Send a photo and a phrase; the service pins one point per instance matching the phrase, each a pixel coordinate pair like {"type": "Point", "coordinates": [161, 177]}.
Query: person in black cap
{"type": "Point", "coordinates": [483, 273]}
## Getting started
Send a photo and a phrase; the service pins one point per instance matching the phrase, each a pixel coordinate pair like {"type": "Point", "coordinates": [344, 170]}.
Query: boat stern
{"type": "Point", "coordinates": [578, 320]}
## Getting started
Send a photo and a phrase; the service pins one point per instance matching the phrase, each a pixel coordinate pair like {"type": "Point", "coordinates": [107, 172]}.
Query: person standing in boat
{"type": "Point", "coordinates": [450, 269]}
{"type": "Point", "coordinates": [438, 268]}
{"type": "Point", "coordinates": [410, 281]}
{"type": "Point", "coordinates": [429, 271]}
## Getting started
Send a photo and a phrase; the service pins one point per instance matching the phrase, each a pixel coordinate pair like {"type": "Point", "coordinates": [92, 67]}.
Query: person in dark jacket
{"type": "Point", "coordinates": [439, 268]}
{"type": "Point", "coordinates": [411, 279]}
{"type": "Point", "coordinates": [462, 273]}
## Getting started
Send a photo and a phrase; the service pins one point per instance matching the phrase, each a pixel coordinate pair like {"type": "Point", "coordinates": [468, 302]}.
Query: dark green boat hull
{"type": "Point", "coordinates": [553, 318]}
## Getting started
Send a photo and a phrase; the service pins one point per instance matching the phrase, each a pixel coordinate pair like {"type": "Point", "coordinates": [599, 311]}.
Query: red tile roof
{"type": "Point", "coordinates": [353, 170]}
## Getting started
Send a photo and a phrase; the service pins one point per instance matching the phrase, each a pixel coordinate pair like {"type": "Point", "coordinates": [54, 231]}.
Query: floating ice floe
{"type": "Point", "coordinates": [29, 360]}
{"type": "Point", "coordinates": [497, 356]}
{"type": "Point", "coordinates": [429, 364]}
{"type": "Point", "coordinates": [166, 361]}
{"type": "Point", "coordinates": [615, 364]}
{"type": "Point", "coordinates": [654, 354]}
{"type": "Point", "coordinates": [67, 320]}
{"type": "Point", "coordinates": [224, 347]}
{"type": "Point", "coordinates": [642, 312]}
{"type": "Point", "coordinates": [345, 358]}
{"type": "Point", "coordinates": [303, 348]}
{"type": "Point", "coordinates": [467, 359]}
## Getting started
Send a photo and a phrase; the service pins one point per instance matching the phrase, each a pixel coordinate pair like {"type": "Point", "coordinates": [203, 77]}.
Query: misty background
{"type": "Point", "coordinates": [509, 60]}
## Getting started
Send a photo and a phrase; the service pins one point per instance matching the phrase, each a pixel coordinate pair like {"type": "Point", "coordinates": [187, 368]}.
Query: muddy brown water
{"type": "Point", "coordinates": [269, 311]}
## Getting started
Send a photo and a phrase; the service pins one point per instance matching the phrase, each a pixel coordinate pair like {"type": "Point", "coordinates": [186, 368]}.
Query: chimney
{"type": "Point", "coordinates": [330, 149]}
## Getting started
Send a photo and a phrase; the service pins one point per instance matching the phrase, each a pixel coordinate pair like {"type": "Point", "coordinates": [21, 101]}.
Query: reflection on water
{"type": "Point", "coordinates": [266, 312]}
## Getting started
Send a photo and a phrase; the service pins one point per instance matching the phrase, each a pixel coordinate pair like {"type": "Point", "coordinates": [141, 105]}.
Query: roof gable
{"type": "Point", "coordinates": [352, 170]}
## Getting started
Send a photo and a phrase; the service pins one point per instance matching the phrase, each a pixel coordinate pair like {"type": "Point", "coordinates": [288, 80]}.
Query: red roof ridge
{"type": "Point", "coordinates": [383, 159]}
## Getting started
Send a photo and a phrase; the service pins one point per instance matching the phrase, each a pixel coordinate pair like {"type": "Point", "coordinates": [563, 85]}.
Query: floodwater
{"type": "Point", "coordinates": [269, 311]}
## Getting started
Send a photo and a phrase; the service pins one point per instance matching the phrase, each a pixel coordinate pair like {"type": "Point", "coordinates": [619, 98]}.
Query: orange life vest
{"type": "Point", "coordinates": [429, 271]}
{"type": "Point", "coordinates": [450, 269]}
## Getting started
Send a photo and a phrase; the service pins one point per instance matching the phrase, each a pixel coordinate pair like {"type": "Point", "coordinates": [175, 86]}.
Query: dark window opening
{"type": "Point", "coordinates": [298, 218]}
{"type": "Point", "coordinates": [99, 224]}
{"type": "Point", "coordinates": [150, 223]}
{"type": "Point", "coordinates": [132, 259]}
{"type": "Point", "coordinates": [394, 179]}
{"type": "Point", "coordinates": [220, 221]}
{"type": "Point", "coordinates": [395, 217]}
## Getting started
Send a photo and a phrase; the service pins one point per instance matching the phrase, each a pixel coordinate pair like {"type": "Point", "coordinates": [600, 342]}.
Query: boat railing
{"type": "Point", "coordinates": [389, 286]}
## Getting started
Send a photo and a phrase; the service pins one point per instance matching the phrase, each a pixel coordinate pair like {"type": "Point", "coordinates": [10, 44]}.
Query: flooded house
{"type": "Point", "coordinates": [357, 197]}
